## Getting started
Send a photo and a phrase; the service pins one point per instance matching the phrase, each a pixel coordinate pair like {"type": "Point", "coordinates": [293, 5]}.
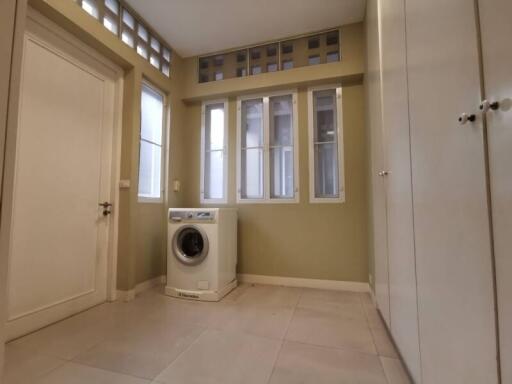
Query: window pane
{"type": "Point", "coordinates": [214, 175]}
{"type": "Point", "coordinates": [214, 127]}
{"type": "Point", "coordinates": [166, 54]}
{"type": "Point", "coordinates": [252, 173]}
{"type": "Point", "coordinates": [113, 5]}
{"type": "Point", "coordinates": [281, 172]}
{"type": "Point", "coordinates": [150, 170]}
{"type": "Point", "coordinates": [326, 170]}
{"type": "Point", "coordinates": [152, 114]}
{"type": "Point", "coordinates": [142, 32]}
{"type": "Point", "coordinates": [325, 116]}
{"type": "Point", "coordinates": [141, 50]}
{"type": "Point", "coordinates": [154, 60]}
{"type": "Point", "coordinates": [252, 123]}
{"type": "Point", "coordinates": [110, 24]}
{"type": "Point", "coordinates": [127, 38]}
{"type": "Point", "coordinates": [165, 69]}
{"type": "Point", "coordinates": [90, 7]}
{"type": "Point", "coordinates": [281, 132]}
{"type": "Point", "coordinates": [155, 44]}
{"type": "Point", "coordinates": [128, 19]}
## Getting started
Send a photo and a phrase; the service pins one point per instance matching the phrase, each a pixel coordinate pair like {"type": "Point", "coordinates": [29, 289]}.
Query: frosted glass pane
{"type": "Point", "coordinates": [252, 123]}
{"type": "Point", "coordinates": [113, 5]}
{"type": "Point", "coordinates": [326, 170]}
{"type": "Point", "coordinates": [281, 132]}
{"type": "Point", "coordinates": [150, 170]}
{"type": "Point", "coordinates": [152, 114]}
{"type": "Point", "coordinates": [142, 32]}
{"type": "Point", "coordinates": [110, 24]}
{"type": "Point", "coordinates": [128, 19]}
{"type": "Point", "coordinates": [141, 50]}
{"type": "Point", "coordinates": [281, 172]}
{"type": "Point", "coordinates": [90, 7]}
{"type": "Point", "coordinates": [155, 44]}
{"type": "Point", "coordinates": [214, 129]}
{"type": "Point", "coordinates": [154, 60]}
{"type": "Point", "coordinates": [252, 173]}
{"type": "Point", "coordinates": [214, 175]}
{"type": "Point", "coordinates": [325, 116]}
{"type": "Point", "coordinates": [127, 38]}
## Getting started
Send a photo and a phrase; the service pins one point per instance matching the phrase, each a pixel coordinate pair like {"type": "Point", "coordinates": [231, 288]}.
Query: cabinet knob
{"type": "Point", "coordinates": [485, 105]}
{"type": "Point", "coordinates": [464, 118]}
{"type": "Point", "coordinates": [383, 173]}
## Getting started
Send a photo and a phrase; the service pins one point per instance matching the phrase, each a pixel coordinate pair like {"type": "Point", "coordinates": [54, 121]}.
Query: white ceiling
{"type": "Point", "coordinates": [196, 27]}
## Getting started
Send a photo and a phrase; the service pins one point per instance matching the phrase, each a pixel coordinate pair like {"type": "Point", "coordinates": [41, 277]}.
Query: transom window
{"type": "Point", "coordinates": [267, 161]}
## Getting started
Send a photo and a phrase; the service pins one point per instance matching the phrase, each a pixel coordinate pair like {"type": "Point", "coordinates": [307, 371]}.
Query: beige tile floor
{"type": "Point", "coordinates": [257, 334]}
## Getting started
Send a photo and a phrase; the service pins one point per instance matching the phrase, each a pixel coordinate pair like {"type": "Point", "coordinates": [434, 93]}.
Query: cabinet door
{"type": "Point", "coordinates": [497, 60]}
{"type": "Point", "coordinates": [373, 98]}
{"type": "Point", "coordinates": [451, 221]}
{"type": "Point", "coordinates": [395, 120]}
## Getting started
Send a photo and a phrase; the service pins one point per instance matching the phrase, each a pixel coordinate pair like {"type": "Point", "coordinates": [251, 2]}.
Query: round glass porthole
{"type": "Point", "coordinates": [190, 245]}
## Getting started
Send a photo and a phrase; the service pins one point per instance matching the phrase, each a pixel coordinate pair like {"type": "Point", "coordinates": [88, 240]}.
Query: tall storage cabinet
{"type": "Point", "coordinates": [496, 27]}
{"type": "Point", "coordinates": [448, 185]}
{"type": "Point", "coordinates": [397, 178]}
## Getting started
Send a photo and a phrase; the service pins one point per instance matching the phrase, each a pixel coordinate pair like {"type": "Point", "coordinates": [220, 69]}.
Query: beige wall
{"type": "Point", "coordinates": [321, 241]}
{"type": "Point", "coordinates": [12, 21]}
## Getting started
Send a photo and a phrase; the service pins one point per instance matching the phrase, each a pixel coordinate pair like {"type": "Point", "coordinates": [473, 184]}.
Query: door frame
{"type": "Point", "coordinates": [117, 76]}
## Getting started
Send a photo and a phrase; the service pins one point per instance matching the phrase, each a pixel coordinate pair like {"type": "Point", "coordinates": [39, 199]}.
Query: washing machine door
{"type": "Point", "coordinates": [190, 245]}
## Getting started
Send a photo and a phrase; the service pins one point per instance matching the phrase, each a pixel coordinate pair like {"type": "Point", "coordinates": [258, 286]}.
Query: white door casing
{"type": "Point", "coordinates": [451, 223]}
{"type": "Point", "coordinates": [496, 30]}
{"type": "Point", "coordinates": [62, 247]}
{"type": "Point", "coordinates": [396, 143]}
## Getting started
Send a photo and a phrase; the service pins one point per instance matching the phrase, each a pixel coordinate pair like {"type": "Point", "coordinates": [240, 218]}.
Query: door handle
{"type": "Point", "coordinates": [106, 208]}
{"type": "Point", "coordinates": [486, 105]}
{"type": "Point", "coordinates": [464, 118]}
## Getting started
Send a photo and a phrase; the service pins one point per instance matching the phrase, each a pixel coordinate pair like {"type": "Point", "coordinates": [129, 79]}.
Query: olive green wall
{"type": "Point", "coordinates": [321, 241]}
{"type": "Point", "coordinates": [142, 226]}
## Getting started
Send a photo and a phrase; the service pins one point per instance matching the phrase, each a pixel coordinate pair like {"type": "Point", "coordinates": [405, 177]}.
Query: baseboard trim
{"type": "Point", "coordinates": [141, 287]}
{"type": "Point", "coordinates": [336, 285]}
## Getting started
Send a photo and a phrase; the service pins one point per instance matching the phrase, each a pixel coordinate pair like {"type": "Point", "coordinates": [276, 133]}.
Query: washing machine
{"type": "Point", "coordinates": [202, 253]}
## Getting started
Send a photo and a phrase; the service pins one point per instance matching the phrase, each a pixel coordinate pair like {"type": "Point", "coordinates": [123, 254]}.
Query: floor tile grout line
{"type": "Point", "coordinates": [284, 337]}
{"type": "Point", "coordinates": [182, 352]}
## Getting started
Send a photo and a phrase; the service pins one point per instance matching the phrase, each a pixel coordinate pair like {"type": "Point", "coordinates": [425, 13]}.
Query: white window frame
{"type": "Point", "coordinates": [224, 199]}
{"type": "Point", "coordinates": [267, 199]}
{"type": "Point", "coordinates": [311, 138]}
{"type": "Point", "coordinates": [163, 152]}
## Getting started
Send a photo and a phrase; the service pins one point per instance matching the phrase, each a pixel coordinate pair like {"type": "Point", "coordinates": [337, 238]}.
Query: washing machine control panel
{"type": "Point", "coordinates": [191, 216]}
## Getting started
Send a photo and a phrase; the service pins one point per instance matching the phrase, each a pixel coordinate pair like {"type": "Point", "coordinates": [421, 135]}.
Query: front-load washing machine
{"type": "Point", "coordinates": [202, 253]}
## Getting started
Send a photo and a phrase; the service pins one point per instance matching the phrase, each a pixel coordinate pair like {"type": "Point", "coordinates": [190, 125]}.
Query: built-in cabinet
{"type": "Point", "coordinates": [444, 155]}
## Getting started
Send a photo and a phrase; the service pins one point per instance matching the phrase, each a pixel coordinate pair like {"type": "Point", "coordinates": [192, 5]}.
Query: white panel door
{"type": "Point", "coordinates": [496, 29]}
{"type": "Point", "coordinates": [451, 223]}
{"type": "Point", "coordinates": [59, 236]}
{"type": "Point", "coordinates": [373, 99]}
{"type": "Point", "coordinates": [400, 229]}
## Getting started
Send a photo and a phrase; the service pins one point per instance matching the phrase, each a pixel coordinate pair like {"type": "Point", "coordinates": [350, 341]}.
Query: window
{"type": "Point", "coordinates": [91, 8]}
{"type": "Point", "coordinates": [151, 144]}
{"type": "Point", "coordinates": [326, 183]}
{"type": "Point", "coordinates": [267, 153]}
{"type": "Point", "coordinates": [214, 163]}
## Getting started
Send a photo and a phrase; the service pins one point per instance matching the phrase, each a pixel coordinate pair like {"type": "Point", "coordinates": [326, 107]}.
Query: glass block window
{"type": "Point", "coordinates": [121, 21]}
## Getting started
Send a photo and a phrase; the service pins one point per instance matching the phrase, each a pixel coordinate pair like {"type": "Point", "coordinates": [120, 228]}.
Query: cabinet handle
{"type": "Point", "coordinates": [485, 105]}
{"type": "Point", "coordinates": [383, 173]}
{"type": "Point", "coordinates": [464, 118]}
